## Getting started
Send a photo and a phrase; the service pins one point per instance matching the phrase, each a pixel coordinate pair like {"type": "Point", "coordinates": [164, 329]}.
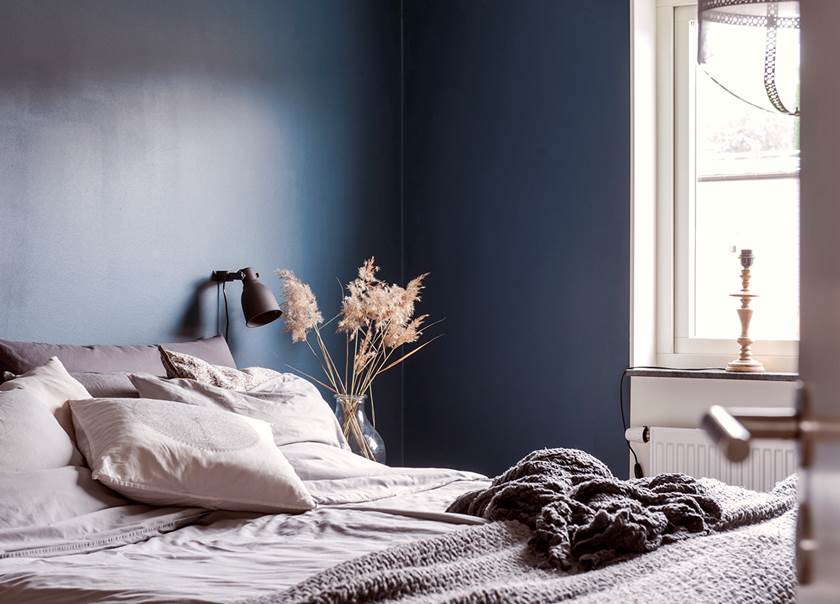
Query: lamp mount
{"type": "Point", "coordinates": [228, 276]}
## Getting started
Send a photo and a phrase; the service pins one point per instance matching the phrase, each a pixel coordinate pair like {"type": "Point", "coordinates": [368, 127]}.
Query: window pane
{"type": "Point", "coordinates": [763, 215]}
{"type": "Point", "coordinates": [734, 137]}
{"type": "Point", "coordinates": [746, 196]}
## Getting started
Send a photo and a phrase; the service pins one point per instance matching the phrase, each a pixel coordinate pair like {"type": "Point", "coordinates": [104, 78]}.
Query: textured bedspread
{"type": "Point", "coordinates": [570, 515]}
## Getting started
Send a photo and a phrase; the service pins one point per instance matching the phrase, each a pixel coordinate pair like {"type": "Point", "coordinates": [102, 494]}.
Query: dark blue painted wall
{"type": "Point", "coordinates": [143, 144]}
{"type": "Point", "coordinates": [516, 199]}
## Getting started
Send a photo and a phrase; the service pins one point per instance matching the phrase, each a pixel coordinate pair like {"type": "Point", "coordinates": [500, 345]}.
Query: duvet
{"type": "Point", "coordinates": [65, 538]}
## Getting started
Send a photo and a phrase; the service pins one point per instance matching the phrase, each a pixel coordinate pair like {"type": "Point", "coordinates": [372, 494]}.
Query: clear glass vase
{"type": "Point", "coordinates": [362, 437]}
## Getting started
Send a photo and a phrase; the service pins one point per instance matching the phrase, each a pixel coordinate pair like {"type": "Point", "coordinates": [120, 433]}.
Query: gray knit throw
{"type": "Point", "coordinates": [568, 510]}
{"type": "Point", "coordinates": [583, 517]}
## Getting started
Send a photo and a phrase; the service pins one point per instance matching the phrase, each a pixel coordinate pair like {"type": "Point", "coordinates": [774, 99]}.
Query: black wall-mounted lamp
{"type": "Point", "coordinates": [258, 303]}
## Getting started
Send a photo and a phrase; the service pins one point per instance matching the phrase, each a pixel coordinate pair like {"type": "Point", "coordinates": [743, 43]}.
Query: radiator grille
{"type": "Point", "coordinates": [691, 452]}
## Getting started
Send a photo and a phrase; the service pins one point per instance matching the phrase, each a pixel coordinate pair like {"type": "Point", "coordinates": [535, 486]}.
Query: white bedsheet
{"type": "Point", "coordinates": [227, 556]}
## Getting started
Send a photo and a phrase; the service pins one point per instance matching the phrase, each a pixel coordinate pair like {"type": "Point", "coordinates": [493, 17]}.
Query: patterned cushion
{"type": "Point", "coordinates": [180, 365]}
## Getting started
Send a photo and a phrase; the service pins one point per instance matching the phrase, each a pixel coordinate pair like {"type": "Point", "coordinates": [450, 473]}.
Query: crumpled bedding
{"type": "Point", "coordinates": [364, 510]}
{"type": "Point", "coordinates": [58, 511]}
{"type": "Point", "coordinates": [87, 544]}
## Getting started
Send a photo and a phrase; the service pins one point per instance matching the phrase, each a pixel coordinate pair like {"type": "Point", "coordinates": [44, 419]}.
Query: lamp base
{"type": "Point", "coordinates": [746, 366]}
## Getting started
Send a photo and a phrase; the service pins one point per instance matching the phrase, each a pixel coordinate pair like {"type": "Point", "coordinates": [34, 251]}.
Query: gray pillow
{"type": "Point", "coordinates": [107, 385]}
{"type": "Point", "coordinates": [19, 357]}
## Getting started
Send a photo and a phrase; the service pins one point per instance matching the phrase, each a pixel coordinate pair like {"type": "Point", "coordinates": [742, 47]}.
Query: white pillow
{"type": "Point", "coordinates": [167, 453]}
{"type": "Point", "coordinates": [46, 497]}
{"type": "Point", "coordinates": [35, 427]}
{"type": "Point", "coordinates": [294, 407]}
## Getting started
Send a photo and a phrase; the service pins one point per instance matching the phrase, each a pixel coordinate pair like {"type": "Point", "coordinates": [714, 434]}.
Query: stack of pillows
{"type": "Point", "coordinates": [208, 436]}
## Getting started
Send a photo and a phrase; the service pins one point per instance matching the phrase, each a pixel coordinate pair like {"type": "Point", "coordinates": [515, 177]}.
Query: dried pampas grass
{"type": "Point", "coordinates": [377, 319]}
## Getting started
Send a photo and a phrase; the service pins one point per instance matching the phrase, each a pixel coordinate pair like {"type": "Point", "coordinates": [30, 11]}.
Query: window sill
{"type": "Point", "coordinates": [714, 374]}
{"type": "Point", "coordinates": [683, 361]}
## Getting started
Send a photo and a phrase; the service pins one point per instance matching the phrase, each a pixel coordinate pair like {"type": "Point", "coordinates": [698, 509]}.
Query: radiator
{"type": "Point", "coordinates": [691, 452]}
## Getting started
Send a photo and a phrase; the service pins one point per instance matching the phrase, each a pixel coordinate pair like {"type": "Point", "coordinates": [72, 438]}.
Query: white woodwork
{"type": "Point", "coordinates": [643, 188]}
{"type": "Point", "coordinates": [820, 283]}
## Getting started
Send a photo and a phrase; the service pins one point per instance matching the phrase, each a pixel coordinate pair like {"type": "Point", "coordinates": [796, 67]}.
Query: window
{"type": "Point", "coordinates": [728, 180]}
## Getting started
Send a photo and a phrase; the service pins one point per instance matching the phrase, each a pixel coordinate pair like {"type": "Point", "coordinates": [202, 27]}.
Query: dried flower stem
{"type": "Point", "coordinates": [372, 406]}
{"type": "Point", "coordinates": [323, 367]}
{"type": "Point", "coordinates": [346, 355]}
{"type": "Point", "coordinates": [330, 364]}
{"type": "Point", "coordinates": [313, 378]}
{"type": "Point", "coordinates": [353, 375]}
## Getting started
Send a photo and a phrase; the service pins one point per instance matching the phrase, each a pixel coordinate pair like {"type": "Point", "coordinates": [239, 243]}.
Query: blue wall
{"type": "Point", "coordinates": [143, 144]}
{"type": "Point", "coordinates": [516, 199]}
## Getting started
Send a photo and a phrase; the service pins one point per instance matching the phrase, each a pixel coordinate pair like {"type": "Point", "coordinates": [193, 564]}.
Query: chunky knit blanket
{"type": "Point", "coordinates": [560, 512]}
{"type": "Point", "coordinates": [583, 517]}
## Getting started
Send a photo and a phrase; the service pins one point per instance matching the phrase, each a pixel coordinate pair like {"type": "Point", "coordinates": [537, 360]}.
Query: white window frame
{"type": "Point", "coordinates": [674, 195]}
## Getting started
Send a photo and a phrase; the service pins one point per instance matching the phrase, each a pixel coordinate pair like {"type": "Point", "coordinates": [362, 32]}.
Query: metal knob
{"type": "Point", "coordinates": [727, 433]}
{"type": "Point", "coordinates": [732, 428]}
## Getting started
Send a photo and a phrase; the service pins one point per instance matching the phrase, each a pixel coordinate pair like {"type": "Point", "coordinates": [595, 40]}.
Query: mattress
{"type": "Point", "coordinates": [189, 555]}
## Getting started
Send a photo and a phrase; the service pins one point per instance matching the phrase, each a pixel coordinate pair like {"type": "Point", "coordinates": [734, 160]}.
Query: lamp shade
{"type": "Point", "coordinates": [258, 302]}
{"type": "Point", "coordinates": [751, 49]}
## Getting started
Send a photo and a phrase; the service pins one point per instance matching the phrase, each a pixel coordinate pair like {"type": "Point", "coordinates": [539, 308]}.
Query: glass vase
{"type": "Point", "coordinates": [362, 437]}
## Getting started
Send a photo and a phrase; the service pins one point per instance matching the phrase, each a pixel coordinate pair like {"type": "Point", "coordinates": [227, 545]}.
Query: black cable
{"type": "Point", "coordinates": [227, 316]}
{"type": "Point", "coordinates": [219, 309]}
{"type": "Point", "coordinates": [637, 467]}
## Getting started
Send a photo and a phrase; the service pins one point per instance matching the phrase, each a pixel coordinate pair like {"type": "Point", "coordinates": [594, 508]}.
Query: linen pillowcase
{"type": "Point", "coordinates": [44, 497]}
{"type": "Point", "coordinates": [292, 405]}
{"type": "Point", "coordinates": [36, 431]}
{"type": "Point", "coordinates": [30, 436]}
{"type": "Point", "coordinates": [167, 453]}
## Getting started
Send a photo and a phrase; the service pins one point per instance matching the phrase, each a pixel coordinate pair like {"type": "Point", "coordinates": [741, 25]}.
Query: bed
{"type": "Point", "coordinates": [228, 556]}
{"type": "Point", "coordinates": [374, 533]}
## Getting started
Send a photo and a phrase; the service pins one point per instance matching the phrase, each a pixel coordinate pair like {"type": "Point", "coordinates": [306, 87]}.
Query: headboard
{"type": "Point", "coordinates": [19, 357]}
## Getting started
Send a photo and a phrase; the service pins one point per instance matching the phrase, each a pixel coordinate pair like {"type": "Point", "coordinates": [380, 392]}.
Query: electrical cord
{"type": "Point", "coordinates": [638, 472]}
{"type": "Point", "coordinates": [218, 314]}
{"type": "Point", "coordinates": [227, 316]}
